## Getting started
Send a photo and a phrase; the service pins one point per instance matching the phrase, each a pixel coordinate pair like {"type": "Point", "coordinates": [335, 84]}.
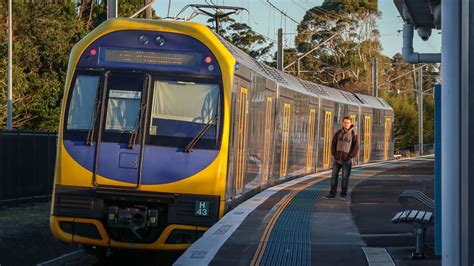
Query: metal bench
{"type": "Point", "coordinates": [420, 218]}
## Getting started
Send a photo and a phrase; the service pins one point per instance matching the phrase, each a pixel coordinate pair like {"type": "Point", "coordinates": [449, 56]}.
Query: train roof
{"type": "Point", "coordinates": [303, 86]}
{"type": "Point", "coordinates": [281, 78]}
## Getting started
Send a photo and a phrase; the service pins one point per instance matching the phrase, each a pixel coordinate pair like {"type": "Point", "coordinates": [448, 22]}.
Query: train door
{"type": "Point", "coordinates": [119, 142]}
{"type": "Point", "coordinates": [388, 130]}
{"type": "Point", "coordinates": [311, 131]}
{"type": "Point", "coordinates": [327, 139]}
{"type": "Point", "coordinates": [267, 138]}
{"type": "Point", "coordinates": [367, 137]}
{"type": "Point", "coordinates": [240, 156]}
{"type": "Point", "coordinates": [285, 139]}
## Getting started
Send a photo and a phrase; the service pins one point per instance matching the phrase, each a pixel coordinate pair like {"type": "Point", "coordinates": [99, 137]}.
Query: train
{"type": "Point", "coordinates": [165, 126]}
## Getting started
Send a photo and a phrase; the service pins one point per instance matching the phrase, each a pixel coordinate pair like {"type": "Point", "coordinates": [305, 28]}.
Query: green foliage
{"type": "Point", "coordinates": [406, 85]}
{"type": "Point", "coordinates": [244, 37]}
{"type": "Point", "coordinates": [428, 119]}
{"type": "Point", "coordinates": [406, 121]}
{"type": "Point", "coordinates": [43, 35]}
{"type": "Point", "coordinates": [345, 60]}
{"type": "Point", "coordinates": [45, 32]}
{"type": "Point", "coordinates": [405, 108]}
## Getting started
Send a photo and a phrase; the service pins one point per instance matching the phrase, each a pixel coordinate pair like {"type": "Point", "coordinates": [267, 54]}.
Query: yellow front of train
{"type": "Point", "coordinates": [143, 140]}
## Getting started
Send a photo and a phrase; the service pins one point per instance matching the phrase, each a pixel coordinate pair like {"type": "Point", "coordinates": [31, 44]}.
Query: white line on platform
{"type": "Point", "coordinates": [204, 249]}
{"type": "Point", "coordinates": [377, 257]}
{"type": "Point", "coordinates": [64, 258]}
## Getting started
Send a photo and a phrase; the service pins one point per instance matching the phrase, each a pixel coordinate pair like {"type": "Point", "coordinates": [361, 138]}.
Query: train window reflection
{"type": "Point", "coordinates": [122, 110]}
{"type": "Point", "coordinates": [181, 109]}
{"type": "Point", "coordinates": [124, 95]}
{"type": "Point", "coordinates": [84, 95]}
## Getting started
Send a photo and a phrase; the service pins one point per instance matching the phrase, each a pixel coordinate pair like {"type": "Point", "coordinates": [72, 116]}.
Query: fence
{"type": "Point", "coordinates": [26, 164]}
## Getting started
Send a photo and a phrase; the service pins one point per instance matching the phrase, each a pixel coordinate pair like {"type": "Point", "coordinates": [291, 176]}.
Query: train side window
{"type": "Point", "coordinates": [81, 109]}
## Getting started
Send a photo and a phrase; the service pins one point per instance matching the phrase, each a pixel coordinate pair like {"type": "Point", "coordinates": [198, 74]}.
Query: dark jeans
{"type": "Point", "coordinates": [346, 172]}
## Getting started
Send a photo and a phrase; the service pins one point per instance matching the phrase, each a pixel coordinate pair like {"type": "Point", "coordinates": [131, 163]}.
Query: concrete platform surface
{"type": "Point", "coordinates": [292, 224]}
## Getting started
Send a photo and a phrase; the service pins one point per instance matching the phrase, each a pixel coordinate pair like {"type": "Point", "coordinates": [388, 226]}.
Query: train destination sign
{"type": "Point", "coordinates": [149, 57]}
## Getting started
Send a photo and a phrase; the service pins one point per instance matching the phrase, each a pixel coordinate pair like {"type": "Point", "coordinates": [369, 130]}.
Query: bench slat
{"type": "Point", "coordinates": [403, 217]}
{"type": "Point", "coordinates": [412, 215]}
{"type": "Point", "coordinates": [420, 216]}
{"type": "Point", "coordinates": [396, 217]}
{"type": "Point", "coordinates": [427, 217]}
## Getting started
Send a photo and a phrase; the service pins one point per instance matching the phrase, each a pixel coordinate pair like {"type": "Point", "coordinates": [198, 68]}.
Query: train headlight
{"type": "Point", "coordinates": [142, 39]}
{"type": "Point", "coordinates": [160, 41]}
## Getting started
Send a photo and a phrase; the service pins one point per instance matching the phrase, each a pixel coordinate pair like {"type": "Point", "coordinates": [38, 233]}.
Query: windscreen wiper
{"type": "Point", "coordinates": [194, 141]}
{"type": "Point", "coordinates": [134, 133]}
{"type": "Point", "coordinates": [90, 134]}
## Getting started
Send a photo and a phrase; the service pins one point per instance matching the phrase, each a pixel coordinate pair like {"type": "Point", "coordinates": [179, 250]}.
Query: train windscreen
{"type": "Point", "coordinates": [82, 104]}
{"type": "Point", "coordinates": [181, 109]}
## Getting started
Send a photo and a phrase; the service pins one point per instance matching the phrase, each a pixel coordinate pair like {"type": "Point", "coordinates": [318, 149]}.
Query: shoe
{"type": "Point", "coordinates": [343, 198]}
{"type": "Point", "coordinates": [329, 196]}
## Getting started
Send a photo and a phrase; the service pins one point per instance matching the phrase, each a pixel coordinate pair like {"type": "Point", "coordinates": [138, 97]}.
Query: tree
{"type": "Point", "coordinates": [406, 121]}
{"type": "Point", "coordinates": [401, 77]}
{"type": "Point", "coordinates": [345, 61]}
{"type": "Point", "coordinates": [43, 35]}
{"type": "Point", "coordinates": [244, 37]}
{"type": "Point", "coordinates": [94, 12]}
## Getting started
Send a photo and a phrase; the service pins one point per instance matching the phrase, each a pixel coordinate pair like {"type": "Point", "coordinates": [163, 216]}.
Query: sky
{"type": "Point", "coordinates": [265, 20]}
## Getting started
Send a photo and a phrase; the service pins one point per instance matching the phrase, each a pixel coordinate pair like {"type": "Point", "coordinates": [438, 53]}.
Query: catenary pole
{"type": "Point", "coordinates": [420, 110]}
{"type": "Point", "coordinates": [280, 50]}
{"type": "Point", "coordinates": [374, 77]}
{"type": "Point", "coordinates": [112, 7]}
{"type": "Point", "coordinates": [10, 55]}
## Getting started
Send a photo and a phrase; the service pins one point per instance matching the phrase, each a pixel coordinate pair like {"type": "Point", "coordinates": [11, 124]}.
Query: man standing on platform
{"type": "Point", "coordinates": [344, 147]}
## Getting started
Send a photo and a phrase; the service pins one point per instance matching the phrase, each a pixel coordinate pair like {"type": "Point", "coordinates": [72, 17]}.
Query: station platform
{"type": "Point", "coordinates": [292, 224]}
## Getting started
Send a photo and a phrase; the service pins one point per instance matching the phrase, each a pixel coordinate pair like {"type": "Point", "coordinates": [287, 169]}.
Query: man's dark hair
{"type": "Point", "coordinates": [347, 117]}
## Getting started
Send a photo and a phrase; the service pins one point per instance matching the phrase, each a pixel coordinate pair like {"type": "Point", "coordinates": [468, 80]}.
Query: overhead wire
{"type": "Point", "coordinates": [404, 74]}
{"type": "Point", "coordinates": [281, 11]}
{"type": "Point", "coordinates": [264, 36]}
